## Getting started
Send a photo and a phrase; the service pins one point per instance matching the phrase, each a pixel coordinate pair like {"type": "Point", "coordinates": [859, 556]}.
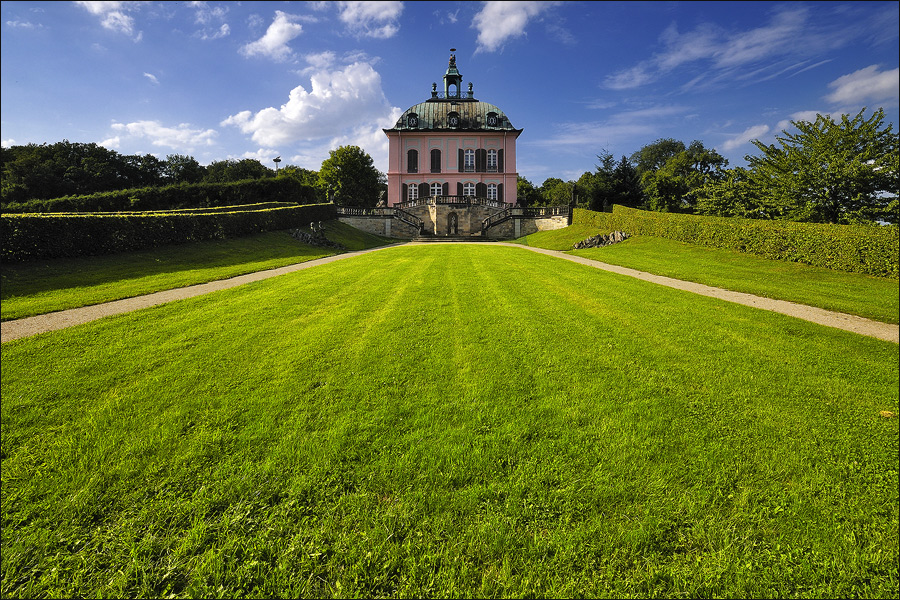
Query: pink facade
{"type": "Point", "coordinates": [400, 172]}
{"type": "Point", "coordinates": [452, 145]}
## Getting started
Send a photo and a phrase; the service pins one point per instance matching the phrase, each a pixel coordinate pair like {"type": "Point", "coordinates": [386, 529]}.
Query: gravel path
{"type": "Point", "coordinates": [20, 328]}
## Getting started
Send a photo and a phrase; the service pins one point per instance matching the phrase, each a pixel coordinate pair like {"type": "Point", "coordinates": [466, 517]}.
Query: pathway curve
{"type": "Point", "coordinates": [20, 328]}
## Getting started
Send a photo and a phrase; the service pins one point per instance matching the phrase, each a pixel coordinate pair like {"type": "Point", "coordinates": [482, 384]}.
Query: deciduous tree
{"type": "Point", "coordinates": [830, 171]}
{"type": "Point", "coordinates": [350, 173]}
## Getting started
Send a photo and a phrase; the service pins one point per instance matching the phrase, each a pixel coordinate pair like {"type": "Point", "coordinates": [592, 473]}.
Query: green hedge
{"type": "Point", "coordinates": [34, 236]}
{"type": "Point", "coordinates": [188, 195]}
{"type": "Point", "coordinates": [869, 249]}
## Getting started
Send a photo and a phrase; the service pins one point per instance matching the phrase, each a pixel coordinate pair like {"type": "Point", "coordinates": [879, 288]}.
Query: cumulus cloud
{"type": "Point", "coordinates": [114, 15]}
{"type": "Point", "coordinates": [8, 143]}
{"type": "Point", "coordinates": [338, 100]}
{"type": "Point", "coordinates": [181, 137]}
{"type": "Point", "coordinates": [500, 21]}
{"type": "Point", "coordinates": [371, 19]}
{"type": "Point", "coordinates": [866, 85]}
{"type": "Point", "coordinates": [274, 44]}
{"type": "Point", "coordinates": [211, 20]}
{"type": "Point", "coordinates": [751, 133]}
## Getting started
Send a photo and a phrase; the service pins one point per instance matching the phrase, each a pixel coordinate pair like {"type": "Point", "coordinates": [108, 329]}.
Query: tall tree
{"type": "Point", "coordinates": [830, 171]}
{"type": "Point", "coordinates": [350, 174]}
{"type": "Point", "coordinates": [672, 187]}
{"type": "Point", "coordinates": [222, 171]}
{"type": "Point", "coordinates": [179, 168]}
{"type": "Point", "coordinates": [526, 193]}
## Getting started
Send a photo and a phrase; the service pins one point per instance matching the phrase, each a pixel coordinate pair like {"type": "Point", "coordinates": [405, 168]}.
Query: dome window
{"type": "Point", "coordinates": [412, 121]}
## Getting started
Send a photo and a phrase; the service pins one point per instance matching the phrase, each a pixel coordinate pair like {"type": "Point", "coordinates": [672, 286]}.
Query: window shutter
{"type": "Point", "coordinates": [424, 192]}
{"type": "Point", "coordinates": [481, 160]}
{"type": "Point", "coordinates": [435, 161]}
{"type": "Point", "coordinates": [445, 189]}
{"type": "Point", "coordinates": [461, 159]}
{"type": "Point", "coordinates": [459, 188]}
{"type": "Point", "coordinates": [500, 191]}
{"type": "Point", "coordinates": [480, 190]}
{"type": "Point", "coordinates": [405, 193]}
{"type": "Point", "coordinates": [500, 160]}
{"type": "Point", "coordinates": [412, 161]}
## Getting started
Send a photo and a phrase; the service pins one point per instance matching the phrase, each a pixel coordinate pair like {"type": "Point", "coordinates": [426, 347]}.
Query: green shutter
{"type": "Point", "coordinates": [500, 191]}
{"type": "Point", "coordinates": [480, 190]}
{"type": "Point", "coordinates": [461, 158]}
{"type": "Point", "coordinates": [480, 160]}
{"type": "Point", "coordinates": [423, 190]}
{"type": "Point", "coordinates": [459, 188]}
{"type": "Point", "coordinates": [404, 195]}
{"type": "Point", "coordinates": [445, 189]}
{"type": "Point", "coordinates": [500, 161]}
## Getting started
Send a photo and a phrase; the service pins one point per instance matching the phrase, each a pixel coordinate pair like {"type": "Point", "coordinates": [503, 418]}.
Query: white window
{"type": "Point", "coordinates": [436, 189]}
{"type": "Point", "coordinates": [413, 193]}
{"type": "Point", "coordinates": [468, 189]}
{"type": "Point", "coordinates": [492, 160]}
{"type": "Point", "coordinates": [492, 191]}
{"type": "Point", "coordinates": [469, 162]}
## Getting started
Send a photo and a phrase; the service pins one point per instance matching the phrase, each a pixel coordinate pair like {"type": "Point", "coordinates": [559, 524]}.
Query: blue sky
{"type": "Point", "coordinates": [220, 80]}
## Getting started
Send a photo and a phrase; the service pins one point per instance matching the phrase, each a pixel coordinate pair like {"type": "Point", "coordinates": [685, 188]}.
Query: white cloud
{"type": "Point", "coordinates": [212, 20]}
{"type": "Point", "coordinates": [866, 85]}
{"type": "Point", "coordinates": [371, 19]}
{"type": "Point", "coordinates": [181, 137]}
{"type": "Point", "coordinates": [751, 133]}
{"type": "Point", "coordinates": [497, 22]}
{"type": "Point", "coordinates": [339, 100]}
{"type": "Point", "coordinates": [274, 43]}
{"type": "Point", "coordinates": [21, 24]}
{"type": "Point", "coordinates": [152, 78]}
{"type": "Point", "coordinates": [113, 15]}
{"type": "Point", "coordinates": [622, 127]}
{"type": "Point", "coordinates": [774, 49]}
{"type": "Point", "coordinates": [8, 143]}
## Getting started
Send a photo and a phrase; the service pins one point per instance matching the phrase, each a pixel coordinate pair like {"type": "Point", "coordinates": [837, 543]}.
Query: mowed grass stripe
{"type": "Point", "coordinates": [454, 421]}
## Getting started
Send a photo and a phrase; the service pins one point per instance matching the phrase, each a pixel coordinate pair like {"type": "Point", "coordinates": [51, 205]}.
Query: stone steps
{"type": "Point", "coordinates": [451, 238]}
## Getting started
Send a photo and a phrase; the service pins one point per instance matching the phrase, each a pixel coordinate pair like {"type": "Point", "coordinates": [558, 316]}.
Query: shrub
{"type": "Point", "coordinates": [868, 249]}
{"type": "Point", "coordinates": [33, 236]}
{"type": "Point", "coordinates": [188, 195]}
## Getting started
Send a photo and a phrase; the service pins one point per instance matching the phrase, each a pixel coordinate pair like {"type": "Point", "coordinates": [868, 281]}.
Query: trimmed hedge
{"type": "Point", "coordinates": [188, 195]}
{"type": "Point", "coordinates": [34, 236]}
{"type": "Point", "coordinates": [868, 249]}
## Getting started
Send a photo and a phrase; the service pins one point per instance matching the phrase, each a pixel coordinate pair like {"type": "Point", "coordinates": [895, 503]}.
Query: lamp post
{"type": "Point", "coordinates": [276, 160]}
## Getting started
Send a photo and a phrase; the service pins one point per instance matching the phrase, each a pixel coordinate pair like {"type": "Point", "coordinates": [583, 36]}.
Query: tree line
{"type": "Point", "coordinates": [829, 171]}
{"type": "Point", "coordinates": [46, 171]}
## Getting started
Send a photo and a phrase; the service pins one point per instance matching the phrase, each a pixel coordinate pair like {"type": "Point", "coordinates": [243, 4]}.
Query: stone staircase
{"type": "Point", "coordinates": [428, 237]}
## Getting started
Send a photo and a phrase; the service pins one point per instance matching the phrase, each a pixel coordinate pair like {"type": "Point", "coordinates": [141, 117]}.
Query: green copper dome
{"type": "Point", "coordinates": [470, 115]}
{"type": "Point", "coordinates": [453, 110]}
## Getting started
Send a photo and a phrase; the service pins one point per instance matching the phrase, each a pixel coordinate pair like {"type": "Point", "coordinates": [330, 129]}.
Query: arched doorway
{"type": "Point", "coordinates": [452, 224]}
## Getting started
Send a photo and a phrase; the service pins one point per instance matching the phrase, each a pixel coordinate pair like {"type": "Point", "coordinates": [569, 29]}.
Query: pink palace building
{"type": "Point", "coordinates": [452, 173]}
{"type": "Point", "coordinates": [452, 145]}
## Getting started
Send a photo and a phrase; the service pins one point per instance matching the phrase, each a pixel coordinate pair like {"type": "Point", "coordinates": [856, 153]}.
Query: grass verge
{"type": "Point", "coordinates": [40, 287]}
{"type": "Point", "coordinates": [863, 295]}
{"type": "Point", "coordinates": [455, 421]}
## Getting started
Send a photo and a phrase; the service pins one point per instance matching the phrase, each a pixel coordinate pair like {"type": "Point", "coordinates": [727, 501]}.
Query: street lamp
{"type": "Point", "coordinates": [276, 160]}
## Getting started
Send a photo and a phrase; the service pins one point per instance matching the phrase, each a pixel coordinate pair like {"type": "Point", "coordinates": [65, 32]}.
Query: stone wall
{"type": "Point", "coordinates": [383, 226]}
{"type": "Point", "coordinates": [468, 219]}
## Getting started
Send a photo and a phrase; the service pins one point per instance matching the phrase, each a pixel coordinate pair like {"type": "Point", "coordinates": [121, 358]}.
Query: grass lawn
{"type": "Point", "coordinates": [875, 298]}
{"type": "Point", "coordinates": [449, 420]}
{"type": "Point", "coordinates": [39, 287]}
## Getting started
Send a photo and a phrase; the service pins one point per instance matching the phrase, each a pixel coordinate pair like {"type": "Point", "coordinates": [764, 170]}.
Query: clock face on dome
{"type": "Point", "coordinates": [492, 121]}
{"type": "Point", "coordinates": [413, 121]}
{"type": "Point", "coordinates": [454, 121]}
